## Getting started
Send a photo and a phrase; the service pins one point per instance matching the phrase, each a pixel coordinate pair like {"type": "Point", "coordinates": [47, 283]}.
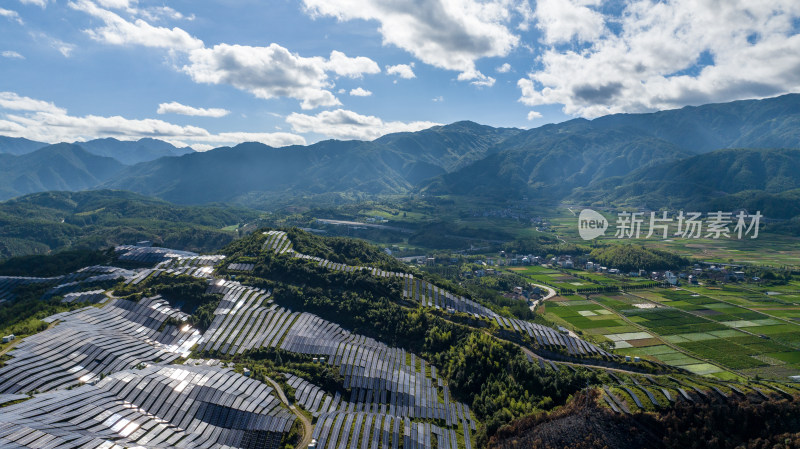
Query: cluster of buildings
{"type": "Point", "coordinates": [532, 293]}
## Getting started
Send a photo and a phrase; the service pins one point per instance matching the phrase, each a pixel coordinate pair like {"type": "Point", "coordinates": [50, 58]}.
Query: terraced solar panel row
{"type": "Point", "coordinates": [241, 266]}
{"type": "Point", "coordinates": [93, 341]}
{"type": "Point", "coordinates": [277, 241]}
{"type": "Point", "coordinates": [430, 295]}
{"type": "Point", "coordinates": [66, 283]}
{"type": "Point", "coordinates": [93, 297]}
{"type": "Point", "coordinates": [149, 254]}
{"type": "Point", "coordinates": [158, 406]}
{"type": "Point", "coordinates": [373, 431]}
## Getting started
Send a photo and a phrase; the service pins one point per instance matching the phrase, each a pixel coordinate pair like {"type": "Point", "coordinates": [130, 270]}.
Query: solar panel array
{"type": "Point", "coordinates": [373, 425]}
{"type": "Point", "coordinates": [242, 266]}
{"type": "Point", "coordinates": [386, 384]}
{"type": "Point", "coordinates": [158, 406]}
{"type": "Point", "coordinates": [63, 284]}
{"type": "Point", "coordinates": [93, 296]}
{"type": "Point", "coordinates": [9, 283]}
{"type": "Point", "coordinates": [88, 276]}
{"type": "Point", "coordinates": [277, 241]}
{"type": "Point", "coordinates": [90, 342]}
{"type": "Point", "coordinates": [149, 254]}
{"type": "Point", "coordinates": [430, 295]}
{"type": "Point", "coordinates": [394, 397]}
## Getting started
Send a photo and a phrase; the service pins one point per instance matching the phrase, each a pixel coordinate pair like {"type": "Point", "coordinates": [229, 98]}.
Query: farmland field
{"type": "Point", "coordinates": [724, 337]}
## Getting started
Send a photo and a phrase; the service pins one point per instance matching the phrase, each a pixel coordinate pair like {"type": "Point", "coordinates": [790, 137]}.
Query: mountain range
{"type": "Point", "coordinates": [691, 155]}
{"type": "Point", "coordinates": [126, 152]}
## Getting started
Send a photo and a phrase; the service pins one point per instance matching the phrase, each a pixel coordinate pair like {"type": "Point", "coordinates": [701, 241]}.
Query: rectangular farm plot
{"type": "Point", "coordinates": [703, 368]}
{"type": "Point", "coordinates": [788, 357]}
{"type": "Point", "coordinates": [664, 354]}
{"type": "Point", "coordinates": [630, 339]}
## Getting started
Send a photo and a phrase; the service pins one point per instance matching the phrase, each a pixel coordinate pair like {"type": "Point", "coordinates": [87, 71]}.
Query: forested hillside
{"type": "Point", "coordinates": [44, 222]}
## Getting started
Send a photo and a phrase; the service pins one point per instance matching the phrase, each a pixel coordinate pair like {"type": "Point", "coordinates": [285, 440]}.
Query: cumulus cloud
{"type": "Point", "coordinates": [360, 92]}
{"type": "Point", "coordinates": [43, 121]}
{"type": "Point", "coordinates": [177, 108]}
{"type": "Point", "coordinates": [481, 80]}
{"type": "Point", "coordinates": [11, 15]}
{"type": "Point", "coordinates": [265, 72]}
{"type": "Point", "coordinates": [447, 34]}
{"type": "Point", "coordinates": [344, 124]}
{"type": "Point", "coordinates": [664, 54]}
{"type": "Point", "coordinates": [119, 31]}
{"type": "Point", "coordinates": [405, 71]}
{"type": "Point", "coordinates": [532, 115]}
{"type": "Point", "coordinates": [343, 65]}
{"type": "Point", "coordinates": [12, 55]}
{"type": "Point", "coordinates": [505, 68]}
{"type": "Point", "coordinates": [565, 20]}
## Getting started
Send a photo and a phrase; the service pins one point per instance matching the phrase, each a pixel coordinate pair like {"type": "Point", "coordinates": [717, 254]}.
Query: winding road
{"type": "Point", "coordinates": [307, 427]}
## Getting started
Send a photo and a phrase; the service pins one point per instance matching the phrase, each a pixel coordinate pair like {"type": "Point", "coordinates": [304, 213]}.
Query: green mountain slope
{"type": "Point", "coordinates": [734, 178]}
{"type": "Point", "coordinates": [55, 167]}
{"type": "Point", "coordinates": [554, 159]}
{"type": "Point", "coordinates": [391, 164]}
{"type": "Point", "coordinates": [49, 221]}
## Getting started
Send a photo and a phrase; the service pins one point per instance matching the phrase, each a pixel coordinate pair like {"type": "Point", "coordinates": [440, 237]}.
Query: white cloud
{"type": "Point", "coordinates": [116, 4]}
{"type": "Point", "coordinates": [279, 139]}
{"type": "Point", "coordinates": [532, 115]}
{"type": "Point", "coordinates": [12, 55]}
{"type": "Point", "coordinates": [62, 47]}
{"type": "Point", "coordinates": [360, 92]}
{"type": "Point", "coordinates": [265, 72]}
{"type": "Point", "coordinates": [343, 65]}
{"type": "Point", "coordinates": [438, 99]}
{"type": "Point", "coordinates": [40, 3]}
{"type": "Point", "coordinates": [11, 15]}
{"type": "Point", "coordinates": [482, 80]}
{"type": "Point", "coordinates": [344, 124]}
{"type": "Point", "coordinates": [119, 31]}
{"type": "Point", "coordinates": [402, 70]}
{"type": "Point", "coordinates": [177, 108]}
{"type": "Point", "coordinates": [564, 20]}
{"type": "Point", "coordinates": [505, 68]}
{"type": "Point", "coordinates": [14, 102]}
{"type": "Point", "coordinates": [162, 13]}
{"type": "Point", "coordinates": [667, 54]}
{"type": "Point", "coordinates": [43, 121]}
{"type": "Point", "coordinates": [444, 33]}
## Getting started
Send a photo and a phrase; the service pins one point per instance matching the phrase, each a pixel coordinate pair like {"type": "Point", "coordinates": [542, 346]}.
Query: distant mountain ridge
{"type": "Point", "coordinates": [391, 164]}
{"type": "Point", "coordinates": [124, 151]}
{"type": "Point", "coordinates": [703, 180]}
{"type": "Point", "coordinates": [62, 166]}
{"type": "Point", "coordinates": [19, 145]}
{"type": "Point", "coordinates": [133, 152]}
{"type": "Point", "coordinates": [579, 159]}
{"type": "Point", "coordinates": [553, 160]}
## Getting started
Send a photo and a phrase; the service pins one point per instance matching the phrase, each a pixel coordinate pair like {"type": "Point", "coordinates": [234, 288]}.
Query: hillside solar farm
{"type": "Point", "coordinates": [131, 362]}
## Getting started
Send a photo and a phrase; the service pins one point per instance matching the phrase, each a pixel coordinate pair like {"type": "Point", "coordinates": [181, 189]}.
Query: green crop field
{"type": "Point", "coordinates": [717, 335]}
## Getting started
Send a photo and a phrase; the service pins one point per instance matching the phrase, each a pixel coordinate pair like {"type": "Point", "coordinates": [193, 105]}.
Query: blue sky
{"type": "Point", "coordinates": [212, 73]}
